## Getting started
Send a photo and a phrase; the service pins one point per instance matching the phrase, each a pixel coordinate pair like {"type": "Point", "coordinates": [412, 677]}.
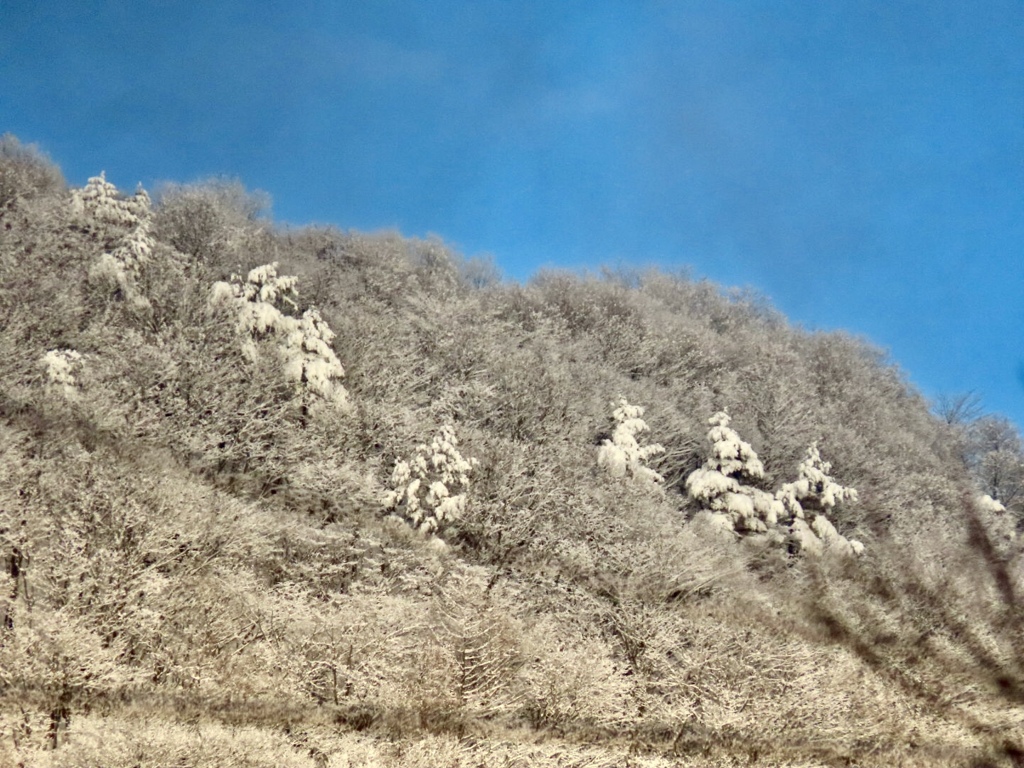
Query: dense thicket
{"type": "Point", "coordinates": [384, 498]}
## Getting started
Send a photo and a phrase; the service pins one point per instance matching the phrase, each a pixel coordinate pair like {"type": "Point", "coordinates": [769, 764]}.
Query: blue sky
{"type": "Point", "coordinates": [861, 163]}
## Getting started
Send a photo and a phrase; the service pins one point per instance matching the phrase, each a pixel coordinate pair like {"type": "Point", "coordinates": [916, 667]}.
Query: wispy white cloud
{"type": "Point", "coordinates": [379, 61]}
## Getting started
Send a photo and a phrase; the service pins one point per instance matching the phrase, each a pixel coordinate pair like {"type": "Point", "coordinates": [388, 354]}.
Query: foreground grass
{"type": "Point", "coordinates": [250, 736]}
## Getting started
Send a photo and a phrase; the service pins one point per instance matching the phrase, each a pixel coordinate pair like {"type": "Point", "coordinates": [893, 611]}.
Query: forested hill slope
{"type": "Point", "coordinates": [311, 497]}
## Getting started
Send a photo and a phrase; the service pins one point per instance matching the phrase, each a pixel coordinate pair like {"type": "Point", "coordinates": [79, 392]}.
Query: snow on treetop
{"type": "Point", "coordinates": [729, 452]}
{"type": "Point", "coordinates": [100, 201]}
{"type": "Point", "coordinates": [262, 284]}
{"type": "Point", "coordinates": [626, 412]}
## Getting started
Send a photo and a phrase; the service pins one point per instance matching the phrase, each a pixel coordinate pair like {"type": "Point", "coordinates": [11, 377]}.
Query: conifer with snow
{"type": "Point", "coordinates": [311, 362]}
{"type": "Point", "coordinates": [256, 299]}
{"type": "Point", "coordinates": [429, 489]}
{"type": "Point", "coordinates": [62, 365]}
{"type": "Point", "coordinates": [623, 455]}
{"type": "Point", "coordinates": [304, 342]}
{"type": "Point", "coordinates": [725, 485]}
{"type": "Point", "coordinates": [99, 204]}
{"type": "Point", "coordinates": [137, 246]}
{"type": "Point", "coordinates": [807, 502]}
{"type": "Point", "coordinates": [123, 223]}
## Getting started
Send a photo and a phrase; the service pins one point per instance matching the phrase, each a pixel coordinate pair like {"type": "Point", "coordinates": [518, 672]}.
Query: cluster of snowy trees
{"type": "Point", "coordinates": [428, 490]}
{"type": "Point", "coordinates": [430, 487]}
{"type": "Point", "coordinates": [726, 488]}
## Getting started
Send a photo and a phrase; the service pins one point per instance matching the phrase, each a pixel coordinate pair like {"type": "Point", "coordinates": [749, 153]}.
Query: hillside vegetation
{"type": "Point", "coordinates": [306, 497]}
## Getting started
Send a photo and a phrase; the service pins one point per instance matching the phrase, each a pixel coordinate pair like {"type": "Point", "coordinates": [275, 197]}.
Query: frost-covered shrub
{"type": "Point", "coordinates": [304, 342]}
{"type": "Point", "coordinates": [479, 642]}
{"type": "Point", "coordinates": [807, 501]}
{"type": "Point", "coordinates": [429, 489]}
{"type": "Point", "coordinates": [25, 173]}
{"type": "Point", "coordinates": [623, 455]}
{"type": "Point", "coordinates": [571, 677]}
{"type": "Point", "coordinates": [61, 368]}
{"type": "Point", "coordinates": [724, 486]}
{"type": "Point", "coordinates": [216, 221]}
{"type": "Point", "coordinates": [53, 657]}
{"type": "Point", "coordinates": [123, 223]}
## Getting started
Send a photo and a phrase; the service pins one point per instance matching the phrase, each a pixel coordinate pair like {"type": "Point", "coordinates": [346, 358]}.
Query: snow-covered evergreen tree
{"type": "Point", "coordinates": [311, 362]}
{"type": "Point", "coordinates": [807, 502]}
{"type": "Point", "coordinates": [430, 488]}
{"type": "Point", "coordinates": [62, 366]}
{"type": "Point", "coordinates": [304, 342]}
{"type": "Point", "coordinates": [725, 485]}
{"type": "Point", "coordinates": [137, 246]}
{"type": "Point", "coordinates": [623, 455]}
{"type": "Point", "coordinates": [99, 204]}
{"type": "Point", "coordinates": [123, 224]}
{"type": "Point", "coordinates": [257, 298]}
